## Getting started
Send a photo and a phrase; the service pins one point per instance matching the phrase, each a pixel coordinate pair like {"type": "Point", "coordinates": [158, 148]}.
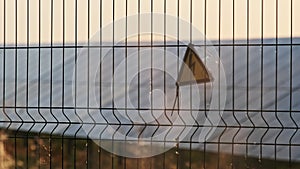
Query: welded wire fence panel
{"type": "Point", "coordinates": [149, 84]}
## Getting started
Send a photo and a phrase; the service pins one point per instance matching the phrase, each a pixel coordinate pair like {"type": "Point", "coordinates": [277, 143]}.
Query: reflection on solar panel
{"type": "Point", "coordinates": [115, 84]}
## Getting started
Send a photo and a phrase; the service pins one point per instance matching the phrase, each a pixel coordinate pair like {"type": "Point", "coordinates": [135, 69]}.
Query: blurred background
{"type": "Point", "coordinates": [257, 42]}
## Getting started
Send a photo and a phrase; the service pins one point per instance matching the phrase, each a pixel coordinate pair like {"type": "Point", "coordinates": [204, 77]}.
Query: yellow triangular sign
{"type": "Point", "coordinates": [192, 69]}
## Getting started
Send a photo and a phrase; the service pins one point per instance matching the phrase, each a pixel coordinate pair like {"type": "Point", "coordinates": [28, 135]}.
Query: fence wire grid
{"type": "Point", "coordinates": [45, 125]}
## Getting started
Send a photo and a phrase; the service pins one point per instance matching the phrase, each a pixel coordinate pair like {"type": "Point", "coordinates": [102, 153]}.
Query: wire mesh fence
{"type": "Point", "coordinates": [91, 84]}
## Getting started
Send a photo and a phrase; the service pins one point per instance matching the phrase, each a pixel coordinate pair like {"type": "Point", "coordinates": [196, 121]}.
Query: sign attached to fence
{"type": "Point", "coordinates": [192, 69]}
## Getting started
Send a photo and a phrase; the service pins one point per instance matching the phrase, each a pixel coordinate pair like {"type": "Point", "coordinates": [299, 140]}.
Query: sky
{"type": "Point", "coordinates": [185, 12]}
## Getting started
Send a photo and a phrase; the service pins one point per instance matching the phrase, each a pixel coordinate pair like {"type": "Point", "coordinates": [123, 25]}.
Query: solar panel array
{"type": "Point", "coordinates": [49, 120]}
